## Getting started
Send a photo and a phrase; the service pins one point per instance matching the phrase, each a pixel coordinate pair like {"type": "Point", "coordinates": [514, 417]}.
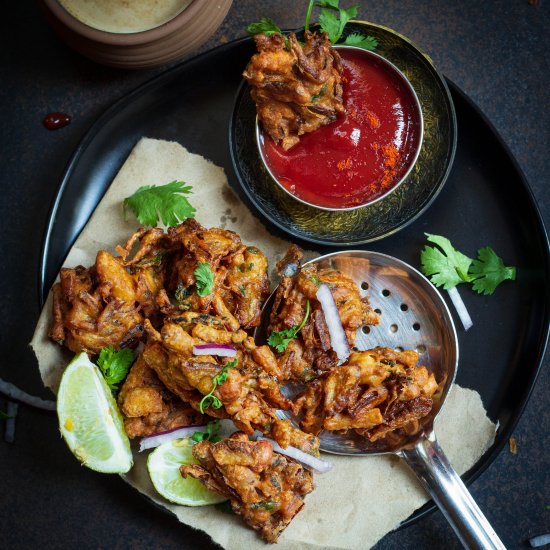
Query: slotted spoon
{"type": "Point", "coordinates": [413, 316]}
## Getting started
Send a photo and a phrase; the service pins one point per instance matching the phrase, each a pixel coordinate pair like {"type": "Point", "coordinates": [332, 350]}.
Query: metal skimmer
{"type": "Point", "coordinates": [413, 316]}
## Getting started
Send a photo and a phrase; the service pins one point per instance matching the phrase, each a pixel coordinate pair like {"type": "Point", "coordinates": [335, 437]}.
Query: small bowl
{"type": "Point", "coordinates": [413, 149]}
{"type": "Point", "coordinates": [156, 46]}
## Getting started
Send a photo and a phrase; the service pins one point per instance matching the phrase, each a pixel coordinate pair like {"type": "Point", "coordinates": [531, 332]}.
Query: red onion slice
{"type": "Point", "coordinates": [222, 350]}
{"type": "Point", "coordinates": [317, 464]}
{"type": "Point", "coordinates": [154, 440]}
{"type": "Point", "coordinates": [460, 308]}
{"type": "Point", "coordinates": [338, 339]}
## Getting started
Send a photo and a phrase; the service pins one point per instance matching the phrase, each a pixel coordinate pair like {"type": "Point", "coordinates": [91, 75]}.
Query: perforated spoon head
{"type": "Point", "coordinates": [413, 316]}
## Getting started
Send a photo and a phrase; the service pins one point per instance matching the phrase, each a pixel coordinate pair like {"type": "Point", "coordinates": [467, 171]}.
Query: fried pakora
{"type": "Point", "coordinates": [310, 354]}
{"type": "Point", "coordinates": [250, 393]}
{"type": "Point", "coordinates": [149, 407]}
{"type": "Point", "coordinates": [97, 307]}
{"type": "Point", "coordinates": [374, 392]}
{"type": "Point", "coordinates": [297, 88]}
{"type": "Point", "coordinates": [266, 488]}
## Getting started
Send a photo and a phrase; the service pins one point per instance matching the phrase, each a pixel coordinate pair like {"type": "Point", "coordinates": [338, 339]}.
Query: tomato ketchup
{"type": "Point", "coordinates": [366, 151]}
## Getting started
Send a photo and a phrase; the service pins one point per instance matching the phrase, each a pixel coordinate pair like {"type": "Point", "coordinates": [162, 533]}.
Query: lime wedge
{"type": "Point", "coordinates": [163, 465]}
{"type": "Point", "coordinates": [89, 419]}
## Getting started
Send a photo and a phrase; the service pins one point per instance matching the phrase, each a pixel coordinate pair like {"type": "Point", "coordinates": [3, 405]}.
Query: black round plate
{"type": "Point", "coordinates": [394, 212]}
{"type": "Point", "coordinates": [486, 201]}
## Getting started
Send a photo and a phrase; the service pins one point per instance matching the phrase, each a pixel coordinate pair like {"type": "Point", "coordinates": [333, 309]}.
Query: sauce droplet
{"type": "Point", "coordinates": [54, 121]}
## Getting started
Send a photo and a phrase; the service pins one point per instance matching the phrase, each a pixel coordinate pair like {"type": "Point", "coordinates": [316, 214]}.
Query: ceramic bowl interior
{"type": "Point", "coordinates": [399, 77]}
{"type": "Point", "coordinates": [169, 41]}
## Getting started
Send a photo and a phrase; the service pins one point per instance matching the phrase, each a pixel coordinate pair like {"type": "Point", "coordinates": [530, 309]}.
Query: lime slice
{"type": "Point", "coordinates": [163, 465]}
{"type": "Point", "coordinates": [89, 419]}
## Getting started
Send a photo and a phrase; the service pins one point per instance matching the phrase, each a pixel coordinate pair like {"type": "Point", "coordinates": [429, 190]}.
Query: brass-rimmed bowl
{"type": "Point", "coordinates": [417, 108]}
{"type": "Point", "coordinates": [390, 214]}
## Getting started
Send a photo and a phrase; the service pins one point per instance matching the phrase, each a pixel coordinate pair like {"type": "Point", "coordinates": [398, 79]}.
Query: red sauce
{"type": "Point", "coordinates": [365, 152]}
{"type": "Point", "coordinates": [54, 121]}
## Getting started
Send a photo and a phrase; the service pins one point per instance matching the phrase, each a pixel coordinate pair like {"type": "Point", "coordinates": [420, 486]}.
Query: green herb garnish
{"type": "Point", "coordinates": [488, 271]}
{"type": "Point", "coordinates": [263, 26]}
{"type": "Point", "coordinates": [204, 278]}
{"type": "Point", "coordinates": [167, 202]}
{"type": "Point", "coordinates": [210, 400]}
{"type": "Point", "coordinates": [211, 433]}
{"type": "Point", "coordinates": [447, 267]}
{"type": "Point", "coordinates": [115, 365]}
{"type": "Point", "coordinates": [361, 41]}
{"type": "Point", "coordinates": [280, 339]}
{"type": "Point", "coordinates": [332, 20]}
{"type": "Point", "coordinates": [268, 505]}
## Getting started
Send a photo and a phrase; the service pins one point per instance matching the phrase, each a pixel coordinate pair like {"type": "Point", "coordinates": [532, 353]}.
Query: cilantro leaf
{"type": "Point", "coordinates": [167, 202]}
{"type": "Point", "coordinates": [330, 4]}
{"type": "Point", "coordinates": [204, 279]}
{"type": "Point", "coordinates": [361, 41]}
{"type": "Point", "coordinates": [280, 339]}
{"type": "Point", "coordinates": [210, 400]}
{"type": "Point", "coordinates": [488, 271]}
{"type": "Point", "coordinates": [115, 365]}
{"type": "Point", "coordinates": [331, 23]}
{"type": "Point", "coordinates": [211, 433]}
{"type": "Point", "coordinates": [448, 268]}
{"type": "Point", "coordinates": [263, 26]}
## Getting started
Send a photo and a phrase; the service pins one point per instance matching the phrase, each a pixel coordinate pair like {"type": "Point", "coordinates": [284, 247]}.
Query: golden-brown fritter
{"type": "Point", "coordinates": [95, 308]}
{"type": "Point", "coordinates": [375, 392]}
{"type": "Point", "coordinates": [297, 88]}
{"type": "Point", "coordinates": [267, 489]}
{"type": "Point", "coordinates": [250, 394]}
{"type": "Point", "coordinates": [310, 354]}
{"type": "Point", "coordinates": [149, 407]}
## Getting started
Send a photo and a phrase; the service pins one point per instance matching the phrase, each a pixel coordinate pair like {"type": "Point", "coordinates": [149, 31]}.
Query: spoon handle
{"type": "Point", "coordinates": [433, 469]}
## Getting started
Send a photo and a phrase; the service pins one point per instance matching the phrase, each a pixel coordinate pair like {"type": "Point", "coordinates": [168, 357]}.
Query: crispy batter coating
{"type": "Point", "coordinates": [309, 355]}
{"type": "Point", "coordinates": [148, 407]}
{"type": "Point", "coordinates": [251, 393]}
{"type": "Point", "coordinates": [297, 89]}
{"type": "Point", "coordinates": [267, 489]}
{"type": "Point", "coordinates": [375, 392]}
{"type": "Point", "coordinates": [154, 277]}
{"type": "Point", "coordinates": [95, 308]}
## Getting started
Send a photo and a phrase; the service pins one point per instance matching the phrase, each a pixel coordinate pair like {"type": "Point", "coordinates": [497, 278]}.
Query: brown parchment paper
{"type": "Point", "coordinates": [361, 499]}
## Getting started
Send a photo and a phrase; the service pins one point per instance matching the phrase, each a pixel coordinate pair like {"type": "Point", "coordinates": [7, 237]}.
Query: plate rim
{"type": "Point", "coordinates": [159, 79]}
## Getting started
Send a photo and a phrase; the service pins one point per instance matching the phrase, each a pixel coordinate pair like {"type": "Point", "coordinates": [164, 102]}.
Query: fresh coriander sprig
{"type": "Point", "coordinates": [167, 202]}
{"type": "Point", "coordinates": [332, 20]}
{"type": "Point", "coordinates": [447, 267]}
{"type": "Point", "coordinates": [204, 279]}
{"type": "Point", "coordinates": [263, 26]}
{"type": "Point", "coordinates": [210, 434]}
{"type": "Point", "coordinates": [210, 400]}
{"type": "Point", "coordinates": [115, 365]}
{"type": "Point", "coordinates": [280, 339]}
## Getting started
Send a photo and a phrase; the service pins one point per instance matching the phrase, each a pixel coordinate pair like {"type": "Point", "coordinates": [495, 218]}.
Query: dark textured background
{"type": "Point", "coordinates": [496, 51]}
